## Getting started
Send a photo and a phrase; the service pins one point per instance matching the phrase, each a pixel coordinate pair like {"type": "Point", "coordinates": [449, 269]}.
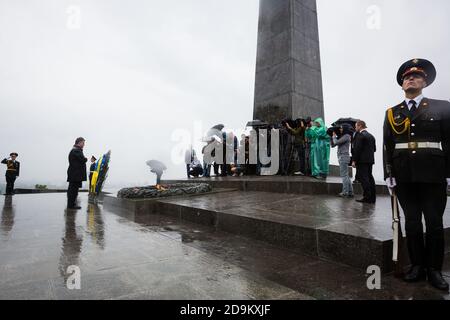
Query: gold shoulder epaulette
{"type": "Point", "coordinates": [396, 126]}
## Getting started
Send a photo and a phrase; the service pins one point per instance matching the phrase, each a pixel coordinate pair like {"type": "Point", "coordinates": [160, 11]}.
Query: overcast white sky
{"type": "Point", "coordinates": [136, 71]}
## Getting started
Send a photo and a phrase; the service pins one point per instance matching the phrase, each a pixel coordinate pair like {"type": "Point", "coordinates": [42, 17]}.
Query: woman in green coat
{"type": "Point", "coordinates": [320, 149]}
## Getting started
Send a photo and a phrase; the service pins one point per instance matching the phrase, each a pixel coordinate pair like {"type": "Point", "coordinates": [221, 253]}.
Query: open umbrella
{"type": "Point", "coordinates": [341, 121]}
{"type": "Point", "coordinates": [158, 168]}
{"type": "Point", "coordinates": [214, 133]}
{"type": "Point", "coordinates": [218, 127]}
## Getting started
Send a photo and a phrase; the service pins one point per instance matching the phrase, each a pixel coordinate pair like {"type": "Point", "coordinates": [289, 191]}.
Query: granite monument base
{"type": "Point", "coordinates": [291, 212]}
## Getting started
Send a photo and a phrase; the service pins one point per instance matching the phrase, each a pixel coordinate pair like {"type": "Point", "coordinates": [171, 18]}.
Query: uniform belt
{"type": "Point", "coordinates": [419, 145]}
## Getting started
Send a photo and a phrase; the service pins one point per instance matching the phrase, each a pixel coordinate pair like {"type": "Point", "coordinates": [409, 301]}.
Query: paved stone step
{"type": "Point", "coordinates": [332, 228]}
{"type": "Point", "coordinates": [279, 184]}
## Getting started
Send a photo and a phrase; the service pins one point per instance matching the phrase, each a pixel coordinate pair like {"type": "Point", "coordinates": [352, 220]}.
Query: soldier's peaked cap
{"type": "Point", "coordinates": [13, 154]}
{"type": "Point", "coordinates": [422, 67]}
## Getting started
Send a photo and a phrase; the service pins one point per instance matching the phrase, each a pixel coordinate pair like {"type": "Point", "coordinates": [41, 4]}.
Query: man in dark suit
{"type": "Point", "coordinates": [363, 159]}
{"type": "Point", "coordinates": [12, 172]}
{"type": "Point", "coordinates": [352, 151]}
{"type": "Point", "coordinates": [417, 167]}
{"type": "Point", "coordinates": [76, 173]}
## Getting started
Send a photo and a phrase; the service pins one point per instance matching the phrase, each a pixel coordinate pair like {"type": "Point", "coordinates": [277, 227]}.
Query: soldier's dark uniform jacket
{"type": "Point", "coordinates": [430, 123]}
{"type": "Point", "coordinates": [12, 167]}
{"type": "Point", "coordinates": [12, 172]}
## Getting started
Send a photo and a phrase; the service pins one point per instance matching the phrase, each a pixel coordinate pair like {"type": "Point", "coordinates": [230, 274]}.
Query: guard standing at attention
{"type": "Point", "coordinates": [417, 165]}
{"type": "Point", "coordinates": [12, 172]}
{"type": "Point", "coordinates": [92, 170]}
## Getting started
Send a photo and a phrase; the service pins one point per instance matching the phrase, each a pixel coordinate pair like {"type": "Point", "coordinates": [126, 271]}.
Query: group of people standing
{"type": "Point", "coordinates": [356, 147]}
{"type": "Point", "coordinates": [305, 146]}
{"type": "Point", "coordinates": [306, 143]}
{"type": "Point", "coordinates": [311, 141]}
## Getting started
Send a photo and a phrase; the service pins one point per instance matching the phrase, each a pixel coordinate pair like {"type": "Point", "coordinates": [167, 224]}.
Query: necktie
{"type": "Point", "coordinates": [413, 104]}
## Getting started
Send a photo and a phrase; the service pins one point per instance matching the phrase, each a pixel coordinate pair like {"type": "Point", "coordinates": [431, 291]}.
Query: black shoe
{"type": "Point", "coordinates": [74, 208]}
{"type": "Point", "coordinates": [415, 274]}
{"type": "Point", "coordinates": [436, 280]}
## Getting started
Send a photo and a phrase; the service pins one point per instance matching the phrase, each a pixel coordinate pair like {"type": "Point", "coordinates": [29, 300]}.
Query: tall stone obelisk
{"type": "Point", "coordinates": [288, 80]}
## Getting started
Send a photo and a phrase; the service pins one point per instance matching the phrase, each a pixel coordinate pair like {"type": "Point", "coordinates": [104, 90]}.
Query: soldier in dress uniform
{"type": "Point", "coordinates": [12, 172]}
{"type": "Point", "coordinates": [92, 170]}
{"type": "Point", "coordinates": [417, 165]}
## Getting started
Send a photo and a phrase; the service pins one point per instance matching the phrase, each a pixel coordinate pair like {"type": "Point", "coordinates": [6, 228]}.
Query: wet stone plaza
{"type": "Point", "coordinates": [122, 255]}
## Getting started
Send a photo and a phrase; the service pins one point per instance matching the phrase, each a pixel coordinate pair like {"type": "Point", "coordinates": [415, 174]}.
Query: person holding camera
{"type": "Point", "coordinates": [342, 139]}
{"type": "Point", "coordinates": [299, 142]}
{"type": "Point", "coordinates": [12, 172]}
{"type": "Point", "coordinates": [195, 168]}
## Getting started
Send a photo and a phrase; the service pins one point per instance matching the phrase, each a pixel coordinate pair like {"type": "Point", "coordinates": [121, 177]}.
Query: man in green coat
{"type": "Point", "coordinates": [320, 149]}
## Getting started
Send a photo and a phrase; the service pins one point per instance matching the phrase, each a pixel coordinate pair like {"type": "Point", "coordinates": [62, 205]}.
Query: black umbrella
{"type": "Point", "coordinates": [257, 124]}
{"type": "Point", "coordinates": [341, 121]}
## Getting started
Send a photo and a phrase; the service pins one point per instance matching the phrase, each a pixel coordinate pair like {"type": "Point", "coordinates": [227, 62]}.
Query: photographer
{"type": "Point", "coordinates": [299, 142]}
{"type": "Point", "coordinates": [12, 172]}
{"type": "Point", "coordinates": [286, 146]}
{"type": "Point", "coordinates": [342, 139]}
{"type": "Point", "coordinates": [195, 168]}
{"type": "Point", "coordinates": [308, 124]}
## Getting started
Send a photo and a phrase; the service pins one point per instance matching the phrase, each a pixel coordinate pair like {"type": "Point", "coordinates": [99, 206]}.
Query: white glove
{"type": "Point", "coordinates": [391, 184]}
{"type": "Point", "coordinates": [448, 181]}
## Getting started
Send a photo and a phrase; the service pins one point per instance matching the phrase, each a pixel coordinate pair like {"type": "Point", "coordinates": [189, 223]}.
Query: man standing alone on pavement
{"type": "Point", "coordinates": [76, 173]}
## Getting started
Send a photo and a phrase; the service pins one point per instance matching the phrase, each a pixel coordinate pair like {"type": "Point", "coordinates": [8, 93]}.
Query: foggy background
{"type": "Point", "coordinates": [137, 76]}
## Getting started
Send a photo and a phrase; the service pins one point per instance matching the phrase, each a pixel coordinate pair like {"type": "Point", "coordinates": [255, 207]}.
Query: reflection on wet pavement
{"type": "Point", "coordinates": [158, 257]}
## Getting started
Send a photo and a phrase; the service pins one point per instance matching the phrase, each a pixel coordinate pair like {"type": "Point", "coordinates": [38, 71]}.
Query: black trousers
{"type": "Point", "coordinates": [364, 174]}
{"type": "Point", "coordinates": [307, 159]}
{"type": "Point", "coordinates": [10, 179]}
{"type": "Point", "coordinates": [301, 156]}
{"type": "Point", "coordinates": [72, 193]}
{"type": "Point", "coordinates": [429, 200]}
{"type": "Point", "coordinates": [216, 169]}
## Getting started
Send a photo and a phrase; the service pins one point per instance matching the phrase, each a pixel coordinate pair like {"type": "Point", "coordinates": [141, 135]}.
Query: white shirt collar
{"type": "Point", "coordinates": [417, 99]}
